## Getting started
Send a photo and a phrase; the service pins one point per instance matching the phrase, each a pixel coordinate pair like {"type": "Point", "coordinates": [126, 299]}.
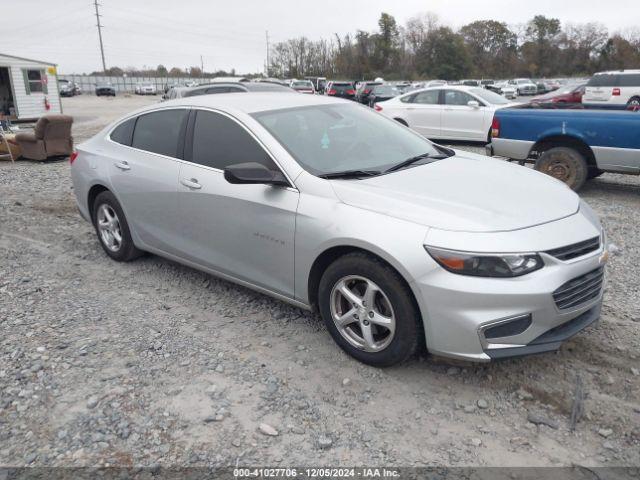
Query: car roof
{"type": "Point", "coordinates": [618, 72]}
{"type": "Point", "coordinates": [252, 102]}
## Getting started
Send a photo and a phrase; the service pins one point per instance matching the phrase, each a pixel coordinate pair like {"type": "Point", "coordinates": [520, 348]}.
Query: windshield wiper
{"type": "Point", "coordinates": [351, 174]}
{"type": "Point", "coordinates": [417, 158]}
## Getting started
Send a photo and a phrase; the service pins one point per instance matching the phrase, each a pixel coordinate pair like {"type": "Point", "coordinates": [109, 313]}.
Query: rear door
{"type": "Point", "coordinates": [459, 120]}
{"type": "Point", "coordinates": [244, 231]}
{"type": "Point", "coordinates": [144, 175]}
{"type": "Point", "coordinates": [424, 113]}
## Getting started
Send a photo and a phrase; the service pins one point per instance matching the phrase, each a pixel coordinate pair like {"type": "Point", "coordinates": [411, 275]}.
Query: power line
{"type": "Point", "coordinates": [104, 64]}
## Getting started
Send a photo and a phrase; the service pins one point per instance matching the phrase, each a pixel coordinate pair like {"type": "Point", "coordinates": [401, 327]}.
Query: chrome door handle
{"type": "Point", "coordinates": [192, 183]}
{"type": "Point", "coordinates": [122, 166]}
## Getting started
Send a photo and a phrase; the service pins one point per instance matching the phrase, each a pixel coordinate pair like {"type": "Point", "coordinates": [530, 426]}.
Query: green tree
{"type": "Point", "coordinates": [443, 54]}
{"type": "Point", "coordinates": [540, 51]}
{"type": "Point", "coordinates": [161, 70]}
{"type": "Point", "coordinates": [493, 48]}
{"type": "Point", "coordinates": [386, 43]}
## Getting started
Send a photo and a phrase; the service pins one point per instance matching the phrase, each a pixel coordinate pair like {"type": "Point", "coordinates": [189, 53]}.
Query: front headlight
{"type": "Point", "coordinates": [486, 265]}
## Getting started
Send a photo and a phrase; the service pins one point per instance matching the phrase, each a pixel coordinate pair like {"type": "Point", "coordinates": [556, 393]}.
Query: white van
{"type": "Point", "coordinates": [615, 89]}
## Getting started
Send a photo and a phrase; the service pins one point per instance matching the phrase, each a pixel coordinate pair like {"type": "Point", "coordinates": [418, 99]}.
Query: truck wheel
{"type": "Point", "coordinates": [633, 103]}
{"type": "Point", "coordinates": [594, 173]}
{"type": "Point", "coordinates": [565, 164]}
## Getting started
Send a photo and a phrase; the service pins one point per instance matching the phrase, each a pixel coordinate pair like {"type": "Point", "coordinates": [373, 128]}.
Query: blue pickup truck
{"type": "Point", "coordinates": [571, 145]}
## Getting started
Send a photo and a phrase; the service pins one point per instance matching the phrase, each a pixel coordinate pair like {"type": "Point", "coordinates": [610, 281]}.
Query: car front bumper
{"type": "Point", "coordinates": [463, 315]}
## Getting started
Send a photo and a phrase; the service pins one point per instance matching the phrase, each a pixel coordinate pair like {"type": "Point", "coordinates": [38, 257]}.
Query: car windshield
{"type": "Point", "coordinates": [327, 139]}
{"type": "Point", "coordinates": [386, 90]}
{"type": "Point", "coordinates": [489, 96]}
{"type": "Point", "coordinates": [302, 84]}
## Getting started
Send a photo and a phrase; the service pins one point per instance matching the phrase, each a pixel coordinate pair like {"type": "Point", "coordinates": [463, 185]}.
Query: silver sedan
{"type": "Point", "coordinates": [399, 243]}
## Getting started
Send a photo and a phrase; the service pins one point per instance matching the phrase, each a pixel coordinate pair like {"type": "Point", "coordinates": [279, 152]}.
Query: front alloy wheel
{"type": "Point", "coordinates": [362, 313]}
{"type": "Point", "coordinates": [369, 310]}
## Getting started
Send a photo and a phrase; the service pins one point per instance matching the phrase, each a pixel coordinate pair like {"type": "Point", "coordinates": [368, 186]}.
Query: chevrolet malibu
{"type": "Point", "coordinates": [399, 243]}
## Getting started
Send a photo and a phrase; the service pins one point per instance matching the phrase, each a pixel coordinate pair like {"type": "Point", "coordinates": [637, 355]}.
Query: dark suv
{"type": "Point", "coordinates": [364, 90]}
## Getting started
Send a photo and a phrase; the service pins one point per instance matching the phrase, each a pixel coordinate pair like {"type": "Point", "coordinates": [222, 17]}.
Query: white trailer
{"type": "Point", "coordinates": [28, 88]}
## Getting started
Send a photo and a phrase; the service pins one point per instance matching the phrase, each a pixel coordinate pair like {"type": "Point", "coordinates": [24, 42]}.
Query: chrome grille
{"type": "Point", "coordinates": [575, 250]}
{"type": "Point", "coordinates": [580, 290]}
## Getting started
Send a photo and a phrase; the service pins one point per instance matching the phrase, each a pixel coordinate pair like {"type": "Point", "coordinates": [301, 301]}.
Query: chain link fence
{"type": "Point", "coordinates": [123, 84]}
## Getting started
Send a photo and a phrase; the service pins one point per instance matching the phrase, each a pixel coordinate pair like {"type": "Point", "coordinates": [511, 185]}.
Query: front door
{"type": "Point", "coordinates": [244, 231]}
{"type": "Point", "coordinates": [461, 121]}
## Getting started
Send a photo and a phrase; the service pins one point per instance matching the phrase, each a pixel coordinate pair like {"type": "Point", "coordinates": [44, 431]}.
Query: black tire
{"type": "Point", "coordinates": [400, 120]}
{"type": "Point", "coordinates": [408, 333]}
{"type": "Point", "coordinates": [633, 102]}
{"type": "Point", "coordinates": [564, 163]}
{"type": "Point", "coordinates": [127, 250]}
{"type": "Point", "coordinates": [594, 173]}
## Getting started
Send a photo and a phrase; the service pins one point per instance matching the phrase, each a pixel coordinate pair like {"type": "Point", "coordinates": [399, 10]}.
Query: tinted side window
{"type": "Point", "coordinates": [217, 90]}
{"type": "Point", "coordinates": [604, 80]}
{"type": "Point", "coordinates": [219, 142]}
{"type": "Point", "coordinates": [429, 97]}
{"type": "Point", "coordinates": [159, 132]}
{"type": "Point", "coordinates": [630, 80]}
{"type": "Point", "coordinates": [123, 132]}
{"type": "Point", "coordinates": [454, 97]}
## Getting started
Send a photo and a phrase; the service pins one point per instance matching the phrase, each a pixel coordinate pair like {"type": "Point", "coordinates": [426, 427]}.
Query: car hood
{"type": "Point", "coordinates": [466, 192]}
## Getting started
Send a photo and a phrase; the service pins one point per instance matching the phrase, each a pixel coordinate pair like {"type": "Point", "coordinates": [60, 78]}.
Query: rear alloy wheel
{"type": "Point", "coordinates": [564, 163]}
{"type": "Point", "coordinates": [112, 228]}
{"type": "Point", "coordinates": [368, 310]}
{"type": "Point", "coordinates": [634, 103]}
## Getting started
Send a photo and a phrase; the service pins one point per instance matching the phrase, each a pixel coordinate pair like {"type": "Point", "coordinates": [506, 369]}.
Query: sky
{"type": "Point", "coordinates": [230, 34]}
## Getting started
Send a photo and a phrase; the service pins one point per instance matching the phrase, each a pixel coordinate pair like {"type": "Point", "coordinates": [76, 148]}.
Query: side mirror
{"type": "Point", "coordinates": [253, 173]}
{"type": "Point", "coordinates": [473, 104]}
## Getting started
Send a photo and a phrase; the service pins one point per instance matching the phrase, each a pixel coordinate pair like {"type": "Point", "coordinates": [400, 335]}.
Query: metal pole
{"type": "Point", "coordinates": [104, 64]}
{"type": "Point", "coordinates": [266, 70]}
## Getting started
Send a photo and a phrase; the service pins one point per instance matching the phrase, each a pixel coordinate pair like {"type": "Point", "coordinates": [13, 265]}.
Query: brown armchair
{"type": "Point", "coordinates": [51, 137]}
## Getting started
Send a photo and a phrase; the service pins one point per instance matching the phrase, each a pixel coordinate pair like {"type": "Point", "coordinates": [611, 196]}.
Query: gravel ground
{"type": "Point", "coordinates": [153, 363]}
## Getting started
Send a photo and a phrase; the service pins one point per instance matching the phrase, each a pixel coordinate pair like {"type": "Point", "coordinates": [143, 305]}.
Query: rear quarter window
{"type": "Point", "coordinates": [160, 132]}
{"type": "Point", "coordinates": [631, 80]}
{"type": "Point", "coordinates": [122, 133]}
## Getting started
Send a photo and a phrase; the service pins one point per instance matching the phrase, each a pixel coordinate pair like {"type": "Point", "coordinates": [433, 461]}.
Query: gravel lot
{"type": "Point", "coordinates": [153, 363]}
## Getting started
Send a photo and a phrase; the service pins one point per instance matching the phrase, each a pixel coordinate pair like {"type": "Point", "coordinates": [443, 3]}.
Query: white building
{"type": "Point", "coordinates": [28, 88]}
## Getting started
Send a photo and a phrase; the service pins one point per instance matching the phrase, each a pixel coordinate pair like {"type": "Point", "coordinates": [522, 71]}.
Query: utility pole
{"type": "Point", "coordinates": [201, 66]}
{"type": "Point", "coordinates": [266, 70]}
{"type": "Point", "coordinates": [104, 64]}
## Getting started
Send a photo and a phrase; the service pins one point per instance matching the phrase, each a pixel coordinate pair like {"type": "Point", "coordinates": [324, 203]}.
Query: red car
{"type": "Point", "coordinates": [567, 94]}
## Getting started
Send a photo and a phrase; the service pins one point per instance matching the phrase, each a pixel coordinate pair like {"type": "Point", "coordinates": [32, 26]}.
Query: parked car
{"type": "Point", "coordinates": [617, 89]}
{"type": "Point", "coordinates": [276, 81]}
{"type": "Point", "coordinates": [432, 83]}
{"type": "Point", "coordinates": [471, 83]}
{"type": "Point", "coordinates": [571, 94]}
{"type": "Point", "coordinates": [330, 206]}
{"type": "Point", "coordinates": [505, 89]}
{"type": "Point", "coordinates": [340, 90]}
{"type": "Point", "coordinates": [230, 87]}
{"type": "Point", "coordinates": [146, 89]}
{"type": "Point", "coordinates": [364, 90]}
{"type": "Point", "coordinates": [380, 93]}
{"type": "Point", "coordinates": [570, 145]}
{"type": "Point", "coordinates": [303, 86]}
{"type": "Point", "coordinates": [524, 86]}
{"type": "Point", "coordinates": [486, 83]}
{"type": "Point", "coordinates": [449, 112]}
{"type": "Point", "coordinates": [105, 89]}
{"type": "Point", "coordinates": [66, 88]}
{"type": "Point", "coordinates": [319, 83]}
